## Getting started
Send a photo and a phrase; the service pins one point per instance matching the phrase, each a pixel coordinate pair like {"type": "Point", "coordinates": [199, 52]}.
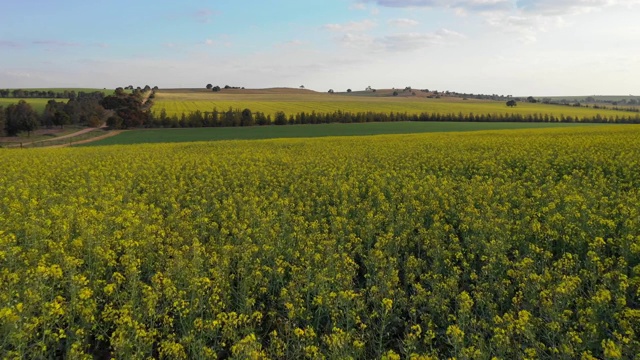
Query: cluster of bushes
{"type": "Point", "coordinates": [237, 117]}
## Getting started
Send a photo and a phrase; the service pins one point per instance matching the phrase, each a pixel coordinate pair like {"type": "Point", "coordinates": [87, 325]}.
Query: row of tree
{"type": "Point", "coordinates": [245, 117]}
{"type": "Point", "coordinates": [218, 88]}
{"type": "Point", "coordinates": [41, 94]}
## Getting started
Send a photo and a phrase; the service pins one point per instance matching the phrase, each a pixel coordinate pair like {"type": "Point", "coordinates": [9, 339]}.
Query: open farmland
{"type": "Point", "coordinates": [317, 130]}
{"type": "Point", "coordinates": [291, 101]}
{"type": "Point", "coordinates": [514, 244]}
{"type": "Point", "coordinates": [37, 104]}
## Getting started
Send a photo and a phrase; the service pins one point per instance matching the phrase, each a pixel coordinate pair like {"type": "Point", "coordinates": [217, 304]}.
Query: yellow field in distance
{"type": "Point", "coordinates": [291, 101]}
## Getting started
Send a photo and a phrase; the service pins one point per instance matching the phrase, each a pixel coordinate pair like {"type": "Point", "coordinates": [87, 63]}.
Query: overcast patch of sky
{"type": "Point", "coordinates": [491, 46]}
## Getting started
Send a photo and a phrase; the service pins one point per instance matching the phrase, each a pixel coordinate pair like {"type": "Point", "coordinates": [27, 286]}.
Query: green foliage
{"type": "Point", "coordinates": [280, 118]}
{"type": "Point", "coordinates": [20, 117]}
{"type": "Point", "coordinates": [2, 121]}
{"type": "Point", "coordinates": [128, 108]}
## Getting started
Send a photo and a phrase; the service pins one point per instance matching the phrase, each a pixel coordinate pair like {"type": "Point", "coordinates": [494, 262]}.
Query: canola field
{"type": "Point", "coordinates": [521, 244]}
{"type": "Point", "coordinates": [177, 102]}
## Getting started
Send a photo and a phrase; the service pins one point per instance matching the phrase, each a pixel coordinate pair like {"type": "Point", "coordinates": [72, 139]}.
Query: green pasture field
{"type": "Point", "coordinates": [291, 101]}
{"type": "Point", "coordinates": [37, 104]}
{"type": "Point", "coordinates": [296, 131]}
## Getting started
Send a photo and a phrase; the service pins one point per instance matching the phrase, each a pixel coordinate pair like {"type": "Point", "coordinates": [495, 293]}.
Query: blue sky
{"type": "Point", "coordinates": [520, 47]}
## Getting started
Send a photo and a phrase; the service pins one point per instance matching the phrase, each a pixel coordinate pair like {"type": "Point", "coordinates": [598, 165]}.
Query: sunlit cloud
{"type": "Point", "coordinates": [353, 26]}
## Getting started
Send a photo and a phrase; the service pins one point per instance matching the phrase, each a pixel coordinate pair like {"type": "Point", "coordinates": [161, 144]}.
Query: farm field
{"type": "Point", "coordinates": [596, 97]}
{"type": "Point", "coordinates": [316, 130]}
{"type": "Point", "coordinates": [292, 101]}
{"type": "Point", "coordinates": [37, 104]}
{"type": "Point", "coordinates": [513, 244]}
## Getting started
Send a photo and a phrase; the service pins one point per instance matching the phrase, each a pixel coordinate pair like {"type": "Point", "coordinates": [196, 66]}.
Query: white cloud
{"type": "Point", "coordinates": [209, 42]}
{"type": "Point", "coordinates": [358, 6]}
{"type": "Point", "coordinates": [399, 41]}
{"type": "Point", "coordinates": [357, 40]}
{"type": "Point", "coordinates": [523, 27]}
{"type": "Point", "coordinates": [541, 7]}
{"type": "Point", "coordinates": [414, 41]}
{"type": "Point", "coordinates": [352, 26]}
{"type": "Point", "coordinates": [562, 7]}
{"type": "Point", "coordinates": [291, 44]}
{"type": "Point", "coordinates": [403, 22]}
{"type": "Point", "coordinates": [526, 19]}
{"type": "Point", "coordinates": [476, 5]}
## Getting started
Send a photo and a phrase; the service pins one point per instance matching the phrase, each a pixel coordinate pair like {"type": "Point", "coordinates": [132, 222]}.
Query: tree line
{"type": "Point", "coordinates": [245, 117]}
{"type": "Point", "coordinates": [40, 94]}
{"type": "Point", "coordinates": [84, 109]}
{"type": "Point", "coordinates": [120, 110]}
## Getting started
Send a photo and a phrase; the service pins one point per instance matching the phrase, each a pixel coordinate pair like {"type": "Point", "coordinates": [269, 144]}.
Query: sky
{"type": "Point", "coordinates": [509, 47]}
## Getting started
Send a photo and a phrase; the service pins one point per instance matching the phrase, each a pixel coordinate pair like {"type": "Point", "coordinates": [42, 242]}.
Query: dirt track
{"type": "Point", "coordinates": [85, 141]}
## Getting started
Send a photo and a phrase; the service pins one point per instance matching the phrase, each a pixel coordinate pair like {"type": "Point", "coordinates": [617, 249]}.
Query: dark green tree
{"type": "Point", "coordinates": [128, 108]}
{"type": "Point", "coordinates": [20, 117]}
{"type": "Point", "coordinates": [247, 118]}
{"type": "Point", "coordinates": [49, 112]}
{"type": "Point", "coordinates": [209, 86]}
{"type": "Point", "coordinates": [115, 122]}
{"type": "Point", "coordinates": [2, 121]}
{"type": "Point", "coordinates": [280, 119]}
{"type": "Point", "coordinates": [511, 103]}
{"type": "Point", "coordinates": [61, 118]}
